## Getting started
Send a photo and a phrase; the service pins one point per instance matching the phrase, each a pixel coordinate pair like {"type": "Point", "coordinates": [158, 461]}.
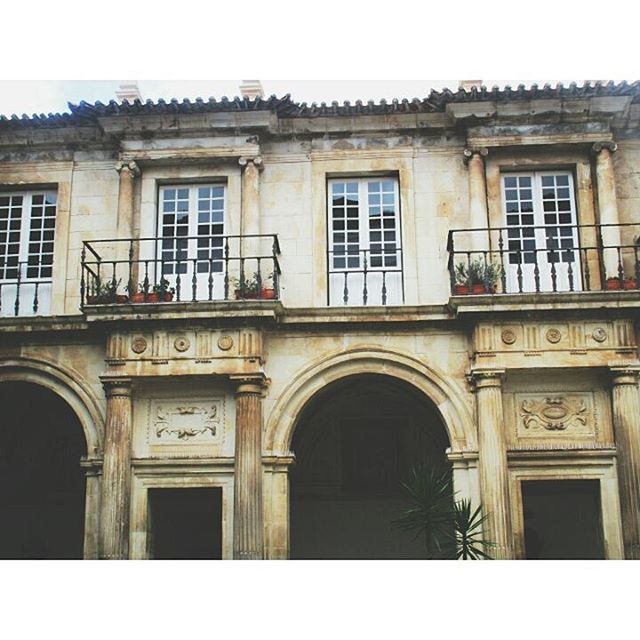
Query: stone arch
{"type": "Point", "coordinates": [65, 383]}
{"type": "Point", "coordinates": [446, 395]}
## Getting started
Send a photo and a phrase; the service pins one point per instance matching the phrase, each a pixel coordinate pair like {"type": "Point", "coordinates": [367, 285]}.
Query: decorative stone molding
{"type": "Point", "coordinates": [553, 336]}
{"type": "Point", "coordinates": [129, 167]}
{"type": "Point", "coordinates": [469, 152]}
{"type": "Point", "coordinates": [508, 336]}
{"type": "Point", "coordinates": [181, 344]}
{"type": "Point", "coordinates": [225, 342]}
{"type": "Point", "coordinates": [116, 387]}
{"type": "Point", "coordinates": [245, 162]}
{"type": "Point", "coordinates": [625, 375]}
{"type": "Point", "coordinates": [607, 144]}
{"type": "Point", "coordinates": [138, 344]}
{"type": "Point", "coordinates": [557, 413]}
{"type": "Point", "coordinates": [480, 379]}
{"type": "Point", "coordinates": [192, 420]}
{"type": "Point", "coordinates": [599, 334]}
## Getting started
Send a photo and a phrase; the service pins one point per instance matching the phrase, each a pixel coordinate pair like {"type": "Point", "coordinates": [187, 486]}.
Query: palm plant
{"type": "Point", "coordinates": [430, 494]}
{"type": "Point", "coordinates": [450, 528]}
{"type": "Point", "coordinates": [467, 532]}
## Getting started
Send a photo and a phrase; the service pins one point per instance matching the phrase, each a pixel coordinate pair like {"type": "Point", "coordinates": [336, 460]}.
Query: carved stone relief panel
{"type": "Point", "coordinates": [550, 415]}
{"type": "Point", "coordinates": [193, 421]}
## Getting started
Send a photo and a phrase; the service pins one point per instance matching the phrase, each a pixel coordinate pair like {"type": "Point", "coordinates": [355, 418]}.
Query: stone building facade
{"type": "Point", "coordinates": [269, 311]}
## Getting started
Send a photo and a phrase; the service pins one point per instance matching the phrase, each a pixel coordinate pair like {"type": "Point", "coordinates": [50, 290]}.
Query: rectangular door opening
{"type": "Point", "coordinates": [185, 524]}
{"type": "Point", "coordinates": [562, 520]}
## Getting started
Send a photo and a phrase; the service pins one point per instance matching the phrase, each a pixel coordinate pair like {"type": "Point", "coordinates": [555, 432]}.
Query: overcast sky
{"type": "Point", "coordinates": [46, 96]}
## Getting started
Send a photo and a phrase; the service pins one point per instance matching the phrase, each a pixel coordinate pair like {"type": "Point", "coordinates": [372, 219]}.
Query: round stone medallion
{"type": "Point", "coordinates": [182, 343]}
{"type": "Point", "coordinates": [138, 344]}
{"type": "Point", "coordinates": [599, 334]}
{"type": "Point", "coordinates": [554, 336]}
{"type": "Point", "coordinates": [225, 343]}
{"type": "Point", "coordinates": [508, 336]}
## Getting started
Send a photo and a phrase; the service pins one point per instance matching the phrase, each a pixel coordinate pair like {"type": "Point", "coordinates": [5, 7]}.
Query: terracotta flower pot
{"type": "Point", "coordinates": [168, 296]}
{"type": "Point", "coordinates": [121, 299]}
{"type": "Point", "coordinates": [477, 289]}
{"type": "Point", "coordinates": [460, 289]}
{"type": "Point", "coordinates": [153, 297]}
{"type": "Point", "coordinates": [612, 284]}
{"type": "Point", "coordinates": [629, 283]}
{"type": "Point", "coordinates": [92, 299]}
{"type": "Point", "coordinates": [137, 298]}
{"type": "Point", "coordinates": [268, 294]}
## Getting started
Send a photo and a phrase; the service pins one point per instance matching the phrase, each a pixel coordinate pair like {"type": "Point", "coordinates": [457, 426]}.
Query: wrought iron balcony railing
{"type": "Point", "coordinates": [541, 259]}
{"type": "Point", "coordinates": [180, 269]}
{"type": "Point", "coordinates": [365, 277]}
{"type": "Point", "coordinates": [22, 291]}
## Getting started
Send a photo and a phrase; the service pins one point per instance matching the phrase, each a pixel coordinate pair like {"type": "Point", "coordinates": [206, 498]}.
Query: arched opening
{"type": "Point", "coordinates": [355, 442]}
{"type": "Point", "coordinates": [42, 486]}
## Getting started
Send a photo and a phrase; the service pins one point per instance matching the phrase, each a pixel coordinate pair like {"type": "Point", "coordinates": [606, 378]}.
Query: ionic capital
{"type": "Point", "coordinates": [625, 375]}
{"type": "Point", "coordinates": [485, 378]}
{"type": "Point", "coordinates": [115, 387]}
{"type": "Point", "coordinates": [469, 152]}
{"type": "Point", "coordinates": [245, 162]}
{"type": "Point", "coordinates": [607, 144]}
{"type": "Point", "coordinates": [130, 167]}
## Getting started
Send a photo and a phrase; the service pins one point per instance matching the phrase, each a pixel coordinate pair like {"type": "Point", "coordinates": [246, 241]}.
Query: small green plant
{"type": "Point", "coordinates": [481, 271]}
{"type": "Point", "coordinates": [467, 532]}
{"type": "Point", "coordinates": [461, 275]}
{"type": "Point", "coordinates": [163, 287]}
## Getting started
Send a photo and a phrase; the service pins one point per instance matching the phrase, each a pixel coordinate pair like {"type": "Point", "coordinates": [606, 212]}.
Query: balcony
{"type": "Point", "coordinates": [544, 259]}
{"type": "Point", "coordinates": [173, 269]}
{"type": "Point", "coordinates": [23, 290]}
{"type": "Point", "coordinates": [361, 277]}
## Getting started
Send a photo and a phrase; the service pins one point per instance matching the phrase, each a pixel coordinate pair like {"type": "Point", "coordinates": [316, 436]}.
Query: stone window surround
{"type": "Point", "coordinates": [570, 467]}
{"type": "Point", "coordinates": [206, 474]}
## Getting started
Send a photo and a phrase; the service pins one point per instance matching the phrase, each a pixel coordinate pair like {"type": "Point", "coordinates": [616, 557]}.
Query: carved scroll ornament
{"type": "Point", "coordinates": [186, 422]}
{"type": "Point", "coordinates": [554, 413]}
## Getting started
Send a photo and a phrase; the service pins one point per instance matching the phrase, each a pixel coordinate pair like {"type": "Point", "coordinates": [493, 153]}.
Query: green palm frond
{"type": "Point", "coordinates": [467, 532]}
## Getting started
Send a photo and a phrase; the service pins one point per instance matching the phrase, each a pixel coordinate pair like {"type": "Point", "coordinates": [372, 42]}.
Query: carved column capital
{"type": "Point", "coordinates": [250, 385]}
{"type": "Point", "coordinates": [245, 162]}
{"type": "Point", "coordinates": [116, 387]}
{"type": "Point", "coordinates": [469, 152]}
{"type": "Point", "coordinates": [484, 378]}
{"type": "Point", "coordinates": [607, 144]}
{"type": "Point", "coordinates": [628, 375]}
{"type": "Point", "coordinates": [129, 167]}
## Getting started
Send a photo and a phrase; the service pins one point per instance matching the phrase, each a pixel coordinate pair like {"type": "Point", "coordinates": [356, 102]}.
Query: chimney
{"type": "Point", "coordinates": [128, 91]}
{"type": "Point", "coordinates": [251, 89]}
{"type": "Point", "coordinates": [467, 85]}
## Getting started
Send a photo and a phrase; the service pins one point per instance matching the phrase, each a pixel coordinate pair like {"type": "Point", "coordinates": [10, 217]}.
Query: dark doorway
{"type": "Point", "coordinates": [186, 524]}
{"type": "Point", "coordinates": [42, 487]}
{"type": "Point", "coordinates": [562, 520]}
{"type": "Point", "coordinates": [355, 442]}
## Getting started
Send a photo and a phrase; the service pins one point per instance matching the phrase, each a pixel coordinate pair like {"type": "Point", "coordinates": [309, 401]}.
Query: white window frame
{"type": "Point", "coordinates": [192, 232]}
{"type": "Point", "coordinates": [395, 284]}
{"type": "Point", "coordinates": [539, 235]}
{"type": "Point", "coordinates": [31, 289]}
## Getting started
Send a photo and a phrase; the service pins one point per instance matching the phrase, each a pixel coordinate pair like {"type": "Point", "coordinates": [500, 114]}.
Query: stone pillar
{"type": "Point", "coordinates": [248, 518]}
{"type": "Point", "coordinates": [492, 463]}
{"type": "Point", "coordinates": [116, 470]}
{"type": "Point", "coordinates": [250, 217]}
{"type": "Point", "coordinates": [125, 226]}
{"type": "Point", "coordinates": [92, 473]}
{"type": "Point", "coordinates": [128, 171]}
{"type": "Point", "coordinates": [607, 205]}
{"type": "Point", "coordinates": [478, 212]}
{"type": "Point", "coordinates": [626, 422]}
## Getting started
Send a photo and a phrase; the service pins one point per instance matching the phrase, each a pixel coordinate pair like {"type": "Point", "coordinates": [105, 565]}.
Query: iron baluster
{"type": "Point", "coordinates": [83, 257]}
{"type": "Point", "coordinates": [554, 275]}
{"type": "Point", "coordinates": [384, 288]}
{"type": "Point", "coordinates": [536, 270]}
{"type": "Point", "coordinates": [587, 273]}
{"type": "Point", "coordinates": [178, 267]}
{"type": "Point", "coordinates": [145, 282]}
{"type": "Point", "coordinates": [259, 280]}
{"type": "Point", "coordinates": [35, 299]}
{"type": "Point", "coordinates": [226, 268]}
{"type": "Point", "coordinates": [194, 281]}
{"type": "Point", "coordinates": [16, 306]}
{"type": "Point", "coordinates": [620, 267]}
{"type": "Point", "coordinates": [242, 281]}
{"type": "Point", "coordinates": [570, 274]}
{"type": "Point", "coordinates": [519, 272]}
{"type": "Point", "coordinates": [345, 295]}
{"type": "Point", "coordinates": [130, 288]}
{"type": "Point", "coordinates": [364, 287]}
{"type": "Point", "coordinates": [503, 273]}
{"type": "Point", "coordinates": [210, 279]}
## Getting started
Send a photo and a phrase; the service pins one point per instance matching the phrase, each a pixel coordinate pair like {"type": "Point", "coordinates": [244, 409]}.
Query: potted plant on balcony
{"type": "Point", "coordinates": [268, 293]}
{"type": "Point", "coordinates": [161, 292]}
{"type": "Point", "coordinates": [107, 293]}
{"type": "Point", "coordinates": [461, 286]}
{"type": "Point", "coordinates": [137, 293]}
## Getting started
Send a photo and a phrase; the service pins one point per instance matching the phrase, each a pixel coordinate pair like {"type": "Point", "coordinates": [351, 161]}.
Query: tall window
{"type": "Point", "coordinates": [191, 224]}
{"type": "Point", "coordinates": [540, 216]}
{"type": "Point", "coordinates": [365, 252]}
{"type": "Point", "coordinates": [27, 230]}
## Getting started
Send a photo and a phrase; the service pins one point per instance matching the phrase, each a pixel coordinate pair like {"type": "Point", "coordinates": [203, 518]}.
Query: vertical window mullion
{"type": "Point", "coordinates": [25, 227]}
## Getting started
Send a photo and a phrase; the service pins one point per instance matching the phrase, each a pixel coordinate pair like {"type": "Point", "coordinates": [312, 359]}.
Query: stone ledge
{"type": "Point", "coordinates": [32, 324]}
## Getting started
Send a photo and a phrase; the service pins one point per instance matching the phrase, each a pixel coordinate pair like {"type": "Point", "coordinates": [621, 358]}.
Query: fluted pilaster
{"type": "Point", "coordinates": [492, 463]}
{"type": "Point", "coordinates": [116, 471]}
{"type": "Point", "coordinates": [248, 519]}
{"type": "Point", "coordinates": [626, 420]}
